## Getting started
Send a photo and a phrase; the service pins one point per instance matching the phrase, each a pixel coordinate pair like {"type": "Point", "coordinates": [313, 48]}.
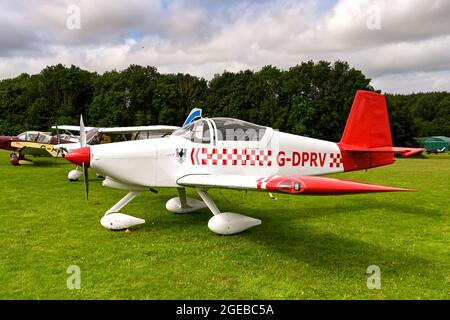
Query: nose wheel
{"type": "Point", "coordinates": [114, 220]}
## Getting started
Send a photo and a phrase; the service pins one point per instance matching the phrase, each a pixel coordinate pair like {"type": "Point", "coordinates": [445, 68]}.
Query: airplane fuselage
{"type": "Point", "coordinates": [160, 162]}
{"type": "Point", "coordinates": [5, 143]}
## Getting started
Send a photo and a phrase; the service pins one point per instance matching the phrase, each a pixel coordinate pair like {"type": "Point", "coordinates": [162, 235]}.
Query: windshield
{"type": "Point", "coordinates": [197, 131]}
{"type": "Point", "coordinates": [229, 129]}
{"type": "Point", "coordinates": [35, 136]}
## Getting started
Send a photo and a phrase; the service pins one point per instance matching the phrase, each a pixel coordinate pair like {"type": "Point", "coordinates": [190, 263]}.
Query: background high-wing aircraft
{"type": "Point", "coordinates": [231, 153]}
{"type": "Point", "coordinates": [36, 143]}
{"type": "Point", "coordinates": [39, 143]}
{"type": "Point", "coordinates": [109, 135]}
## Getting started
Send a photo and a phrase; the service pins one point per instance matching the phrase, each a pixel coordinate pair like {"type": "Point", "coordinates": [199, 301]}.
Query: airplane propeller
{"type": "Point", "coordinates": [82, 157]}
{"type": "Point", "coordinates": [85, 167]}
{"type": "Point", "coordinates": [86, 182]}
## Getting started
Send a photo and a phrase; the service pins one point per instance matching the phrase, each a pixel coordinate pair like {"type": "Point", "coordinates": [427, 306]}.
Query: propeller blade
{"type": "Point", "coordinates": [82, 133]}
{"type": "Point", "coordinates": [86, 182]}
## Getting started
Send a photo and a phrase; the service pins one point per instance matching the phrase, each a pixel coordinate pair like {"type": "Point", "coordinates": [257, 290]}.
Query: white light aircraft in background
{"type": "Point", "coordinates": [93, 135]}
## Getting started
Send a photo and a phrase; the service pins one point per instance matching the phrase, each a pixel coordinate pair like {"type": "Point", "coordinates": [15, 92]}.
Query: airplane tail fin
{"type": "Point", "coordinates": [366, 141]}
{"type": "Point", "coordinates": [193, 115]}
{"type": "Point", "coordinates": [368, 122]}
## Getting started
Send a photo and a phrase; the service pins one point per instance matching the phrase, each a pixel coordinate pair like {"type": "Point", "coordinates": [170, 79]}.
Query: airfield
{"type": "Point", "coordinates": [306, 248]}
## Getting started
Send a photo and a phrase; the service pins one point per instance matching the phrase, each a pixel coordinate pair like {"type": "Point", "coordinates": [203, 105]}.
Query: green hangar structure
{"type": "Point", "coordinates": [435, 142]}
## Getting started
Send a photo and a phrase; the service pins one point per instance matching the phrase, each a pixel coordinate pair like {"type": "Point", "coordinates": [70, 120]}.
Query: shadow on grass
{"type": "Point", "coordinates": [327, 250]}
{"type": "Point", "coordinates": [364, 204]}
{"type": "Point", "coordinates": [306, 244]}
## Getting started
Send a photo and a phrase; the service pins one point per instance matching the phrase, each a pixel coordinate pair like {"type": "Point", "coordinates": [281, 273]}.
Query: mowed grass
{"type": "Point", "coordinates": [306, 248]}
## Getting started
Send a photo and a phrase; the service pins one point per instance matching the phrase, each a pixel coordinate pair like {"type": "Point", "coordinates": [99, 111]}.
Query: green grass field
{"type": "Point", "coordinates": [306, 248]}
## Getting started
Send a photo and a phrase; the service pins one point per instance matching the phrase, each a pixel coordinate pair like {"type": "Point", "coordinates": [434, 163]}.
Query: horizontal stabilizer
{"type": "Point", "coordinates": [405, 152]}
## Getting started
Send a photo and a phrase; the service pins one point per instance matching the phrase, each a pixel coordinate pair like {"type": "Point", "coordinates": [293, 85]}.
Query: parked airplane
{"type": "Point", "coordinates": [435, 150]}
{"type": "Point", "coordinates": [94, 135]}
{"type": "Point", "coordinates": [36, 143]}
{"type": "Point", "coordinates": [231, 153]}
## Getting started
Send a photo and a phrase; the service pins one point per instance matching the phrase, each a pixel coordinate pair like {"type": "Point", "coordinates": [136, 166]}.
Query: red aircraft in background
{"type": "Point", "coordinates": [36, 143]}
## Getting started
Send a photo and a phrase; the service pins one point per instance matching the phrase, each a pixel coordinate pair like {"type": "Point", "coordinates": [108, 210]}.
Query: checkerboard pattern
{"type": "Point", "coordinates": [233, 157]}
{"type": "Point", "coordinates": [335, 160]}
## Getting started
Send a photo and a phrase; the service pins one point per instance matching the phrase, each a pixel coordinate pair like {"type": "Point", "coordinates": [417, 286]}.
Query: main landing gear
{"type": "Point", "coordinates": [183, 204]}
{"type": "Point", "coordinates": [224, 223]}
{"type": "Point", "coordinates": [74, 175]}
{"type": "Point", "coordinates": [20, 159]}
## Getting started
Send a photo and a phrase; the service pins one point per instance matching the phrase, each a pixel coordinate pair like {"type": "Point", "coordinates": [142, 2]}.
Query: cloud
{"type": "Point", "coordinates": [207, 37]}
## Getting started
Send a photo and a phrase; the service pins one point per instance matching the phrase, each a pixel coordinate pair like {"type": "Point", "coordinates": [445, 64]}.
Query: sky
{"type": "Point", "coordinates": [402, 45]}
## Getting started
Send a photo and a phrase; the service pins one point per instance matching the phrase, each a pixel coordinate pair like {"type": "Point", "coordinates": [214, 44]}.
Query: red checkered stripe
{"type": "Point", "coordinates": [233, 157]}
{"type": "Point", "coordinates": [261, 183]}
{"type": "Point", "coordinates": [335, 160]}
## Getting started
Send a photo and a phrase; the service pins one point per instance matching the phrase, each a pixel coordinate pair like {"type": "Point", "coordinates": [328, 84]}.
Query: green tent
{"type": "Point", "coordinates": [435, 142]}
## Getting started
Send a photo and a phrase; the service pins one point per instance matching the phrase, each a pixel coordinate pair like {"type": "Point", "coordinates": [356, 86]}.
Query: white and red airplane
{"type": "Point", "coordinates": [230, 153]}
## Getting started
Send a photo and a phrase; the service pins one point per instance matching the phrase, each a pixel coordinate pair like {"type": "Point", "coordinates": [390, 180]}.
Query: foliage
{"type": "Point", "coordinates": [311, 99]}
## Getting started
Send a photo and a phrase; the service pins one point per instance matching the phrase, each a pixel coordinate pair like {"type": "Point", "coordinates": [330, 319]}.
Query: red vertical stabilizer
{"type": "Point", "coordinates": [366, 133]}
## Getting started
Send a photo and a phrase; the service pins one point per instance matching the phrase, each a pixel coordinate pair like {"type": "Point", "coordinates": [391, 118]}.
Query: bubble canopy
{"type": "Point", "coordinates": [222, 129]}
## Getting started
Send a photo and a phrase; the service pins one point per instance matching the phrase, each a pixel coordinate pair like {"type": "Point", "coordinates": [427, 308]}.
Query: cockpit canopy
{"type": "Point", "coordinates": [222, 129]}
{"type": "Point", "coordinates": [35, 136]}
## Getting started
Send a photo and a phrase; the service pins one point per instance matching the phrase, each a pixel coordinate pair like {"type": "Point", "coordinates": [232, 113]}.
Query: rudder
{"type": "Point", "coordinates": [367, 130]}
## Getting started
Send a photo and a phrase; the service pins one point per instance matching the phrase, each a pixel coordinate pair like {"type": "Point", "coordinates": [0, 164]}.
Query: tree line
{"type": "Point", "coordinates": [312, 99]}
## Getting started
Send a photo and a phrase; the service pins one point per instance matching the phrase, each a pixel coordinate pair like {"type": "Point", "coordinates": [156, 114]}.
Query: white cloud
{"type": "Point", "coordinates": [207, 37]}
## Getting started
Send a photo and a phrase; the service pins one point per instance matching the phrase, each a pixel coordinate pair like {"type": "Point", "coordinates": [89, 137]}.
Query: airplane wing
{"type": "Point", "coordinates": [157, 130]}
{"type": "Point", "coordinates": [36, 148]}
{"type": "Point", "coordinates": [308, 185]}
{"type": "Point", "coordinates": [71, 128]}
